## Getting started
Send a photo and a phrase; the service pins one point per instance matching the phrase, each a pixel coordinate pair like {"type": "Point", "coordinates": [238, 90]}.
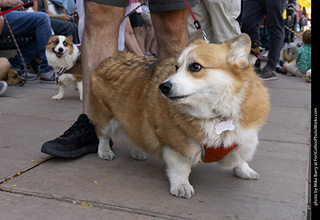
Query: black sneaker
{"type": "Point", "coordinates": [267, 74]}
{"type": "Point", "coordinates": [80, 139]}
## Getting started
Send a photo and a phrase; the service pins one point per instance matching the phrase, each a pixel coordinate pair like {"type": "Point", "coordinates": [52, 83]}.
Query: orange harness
{"type": "Point", "coordinates": [211, 154]}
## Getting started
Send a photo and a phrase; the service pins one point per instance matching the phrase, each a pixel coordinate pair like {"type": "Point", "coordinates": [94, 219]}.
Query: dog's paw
{"type": "Point", "coordinates": [57, 97]}
{"type": "Point", "coordinates": [184, 190]}
{"type": "Point", "coordinates": [138, 154]}
{"type": "Point", "coordinates": [106, 154]}
{"type": "Point", "coordinates": [246, 173]}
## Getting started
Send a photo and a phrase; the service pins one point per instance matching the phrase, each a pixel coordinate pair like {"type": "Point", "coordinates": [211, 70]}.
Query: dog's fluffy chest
{"type": "Point", "coordinates": [67, 61]}
{"type": "Point", "coordinates": [220, 131]}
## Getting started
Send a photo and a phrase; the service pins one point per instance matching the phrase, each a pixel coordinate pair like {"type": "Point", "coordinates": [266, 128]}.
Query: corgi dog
{"type": "Point", "coordinates": [289, 52]}
{"type": "Point", "coordinates": [62, 55]}
{"type": "Point", "coordinates": [207, 102]}
{"type": "Point", "coordinates": [12, 78]}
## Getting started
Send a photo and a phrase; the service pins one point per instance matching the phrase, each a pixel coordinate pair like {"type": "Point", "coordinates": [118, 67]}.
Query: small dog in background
{"type": "Point", "coordinates": [61, 54]}
{"type": "Point", "coordinates": [12, 78]}
{"type": "Point", "coordinates": [289, 52]}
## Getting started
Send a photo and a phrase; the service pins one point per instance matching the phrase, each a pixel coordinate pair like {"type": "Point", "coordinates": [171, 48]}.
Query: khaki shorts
{"type": "Point", "coordinates": [154, 5]}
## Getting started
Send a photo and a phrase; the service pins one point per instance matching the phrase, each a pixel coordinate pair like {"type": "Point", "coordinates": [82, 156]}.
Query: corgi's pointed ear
{"type": "Point", "coordinates": [239, 49]}
{"type": "Point", "coordinates": [70, 38]}
{"type": "Point", "coordinates": [52, 38]}
{"type": "Point", "coordinates": [195, 38]}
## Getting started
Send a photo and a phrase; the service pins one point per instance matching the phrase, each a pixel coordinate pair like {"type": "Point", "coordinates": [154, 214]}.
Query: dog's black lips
{"type": "Point", "coordinates": [58, 54]}
{"type": "Point", "coordinates": [173, 98]}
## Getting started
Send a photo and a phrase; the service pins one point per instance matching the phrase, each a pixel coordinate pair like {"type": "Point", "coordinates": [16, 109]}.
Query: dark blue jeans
{"type": "Point", "coordinates": [253, 13]}
{"type": "Point", "coordinates": [30, 24]}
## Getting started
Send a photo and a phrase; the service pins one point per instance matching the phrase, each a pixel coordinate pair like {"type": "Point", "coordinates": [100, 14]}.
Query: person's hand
{"type": "Point", "coordinates": [65, 17]}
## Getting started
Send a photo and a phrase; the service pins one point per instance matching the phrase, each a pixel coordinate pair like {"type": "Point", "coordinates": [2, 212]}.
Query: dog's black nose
{"type": "Point", "coordinates": [165, 87]}
{"type": "Point", "coordinates": [60, 49]}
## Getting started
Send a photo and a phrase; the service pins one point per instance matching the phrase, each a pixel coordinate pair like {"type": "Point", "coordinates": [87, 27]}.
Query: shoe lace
{"type": "Point", "coordinates": [75, 129]}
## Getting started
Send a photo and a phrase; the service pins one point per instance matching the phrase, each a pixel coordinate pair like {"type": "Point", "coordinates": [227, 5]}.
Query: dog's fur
{"type": "Point", "coordinates": [173, 124]}
{"type": "Point", "coordinates": [289, 52]}
{"type": "Point", "coordinates": [12, 78]}
{"type": "Point", "coordinates": [62, 53]}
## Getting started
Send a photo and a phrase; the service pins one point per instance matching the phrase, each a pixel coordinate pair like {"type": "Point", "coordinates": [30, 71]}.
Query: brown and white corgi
{"type": "Point", "coordinates": [210, 101]}
{"type": "Point", "coordinates": [12, 78]}
{"type": "Point", "coordinates": [63, 55]}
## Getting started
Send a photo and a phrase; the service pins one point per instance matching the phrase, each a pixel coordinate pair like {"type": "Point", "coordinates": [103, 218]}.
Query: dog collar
{"type": "Point", "coordinates": [61, 71]}
{"type": "Point", "coordinates": [78, 45]}
{"type": "Point", "coordinates": [211, 154]}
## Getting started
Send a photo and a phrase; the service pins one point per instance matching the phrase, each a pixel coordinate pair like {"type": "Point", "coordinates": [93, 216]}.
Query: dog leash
{"type": "Point", "coordinates": [196, 22]}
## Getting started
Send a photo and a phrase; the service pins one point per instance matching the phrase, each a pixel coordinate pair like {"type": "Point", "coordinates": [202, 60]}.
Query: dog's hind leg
{"type": "Point", "coordinates": [137, 153]}
{"type": "Point", "coordinates": [80, 89]}
{"type": "Point", "coordinates": [104, 125]}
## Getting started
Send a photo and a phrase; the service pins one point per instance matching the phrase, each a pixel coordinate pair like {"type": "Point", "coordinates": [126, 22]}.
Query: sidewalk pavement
{"type": "Point", "coordinates": [35, 186]}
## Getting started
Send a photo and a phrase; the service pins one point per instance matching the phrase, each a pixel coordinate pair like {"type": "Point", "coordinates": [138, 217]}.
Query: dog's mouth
{"type": "Point", "coordinates": [58, 54]}
{"type": "Point", "coordinates": [175, 98]}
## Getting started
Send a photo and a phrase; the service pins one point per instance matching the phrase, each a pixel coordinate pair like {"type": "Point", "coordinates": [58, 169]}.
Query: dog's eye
{"type": "Point", "coordinates": [195, 67]}
{"type": "Point", "coordinates": [65, 43]}
{"type": "Point", "coordinates": [15, 76]}
{"type": "Point", "coordinates": [177, 67]}
{"type": "Point", "coordinates": [56, 42]}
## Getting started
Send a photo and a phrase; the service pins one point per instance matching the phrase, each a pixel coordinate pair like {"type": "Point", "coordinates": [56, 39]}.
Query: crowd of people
{"type": "Point", "coordinates": [152, 28]}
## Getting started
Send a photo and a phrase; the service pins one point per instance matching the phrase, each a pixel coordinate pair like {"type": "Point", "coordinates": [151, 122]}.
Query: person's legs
{"type": "Point", "coordinates": [150, 36]}
{"type": "Point", "coordinates": [137, 24]}
{"type": "Point", "coordinates": [169, 18]}
{"type": "Point", "coordinates": [35, 25]}
{"type": "Point", "coordinates": [275, 26]}
{"type": "Point", "coordinates": [252, 14]}
{"type": "Point", "coordinates": [171, 32]}
{"type": "Point", "coordinates": [100, 40]}
{"type": "Point", "coordinates": [131, 41]}
{"type": "Point", "coordinates": [150, 41]}
{"type": "Point", "coordinates": [66, 28]}
{"type": "Point", "coordinates": [223, 15]}
{"type": "Point", "coordinates": [138, 33]}
{"type": "Point", "coordinates": [4, 67]}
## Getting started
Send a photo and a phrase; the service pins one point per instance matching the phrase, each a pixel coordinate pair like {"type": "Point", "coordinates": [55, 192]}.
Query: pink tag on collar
{"type": "Point", "coordinates": [224, 125]}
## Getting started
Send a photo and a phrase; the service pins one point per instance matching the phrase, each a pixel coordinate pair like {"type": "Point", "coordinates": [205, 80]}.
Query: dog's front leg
{"type": "Point", "coordinates": [178, 171]}
{"type": "Point", "coordinates": [62, 89]}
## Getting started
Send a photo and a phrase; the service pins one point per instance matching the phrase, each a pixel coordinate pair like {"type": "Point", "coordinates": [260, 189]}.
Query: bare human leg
{"type": "Point", "coordinates": [100, 40]}
{"type": "Point", "coordinates": [171, 32]}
